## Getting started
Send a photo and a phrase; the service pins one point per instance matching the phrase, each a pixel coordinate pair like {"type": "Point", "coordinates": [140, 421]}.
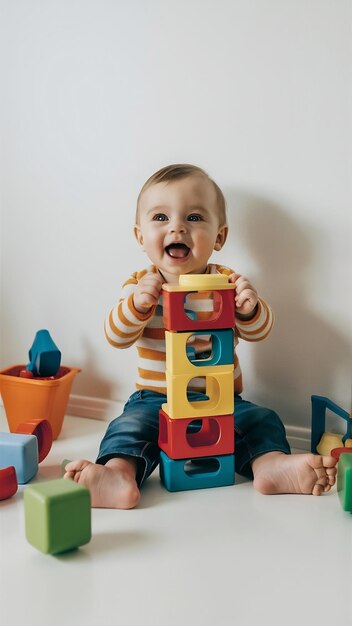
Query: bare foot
{"type": "Point", "coordinates": [111, 486]}
{"type": "Point", "coordinates": [276, 472]}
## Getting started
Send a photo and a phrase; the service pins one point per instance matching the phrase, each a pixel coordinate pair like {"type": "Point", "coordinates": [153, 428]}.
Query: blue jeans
{"type": "Point", "coordinates": [135, 433]}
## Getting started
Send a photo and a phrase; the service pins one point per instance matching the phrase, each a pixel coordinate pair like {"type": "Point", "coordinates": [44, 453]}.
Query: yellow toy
{"type": "Point", "coordinates": [200, 282]}
{"type": "Point", "coordinates": [329, 441]}
{"type": "Point", "coordinates": [178, 360]}
{"type": "Point", "coordinates": [219, 389]}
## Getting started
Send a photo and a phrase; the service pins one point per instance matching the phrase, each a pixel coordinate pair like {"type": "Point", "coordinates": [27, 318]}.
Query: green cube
{"type": "Point", "coordinates": [344, 480]}
{"type": "Point", "coordinates": [57, 515]}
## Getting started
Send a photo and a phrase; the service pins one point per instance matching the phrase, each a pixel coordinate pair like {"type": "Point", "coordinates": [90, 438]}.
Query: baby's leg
{"type": "Point", "coordinates": [127, 456]}
{"type": "Point", "coordinates": [111, 486]}
{"type": "Point", "coordinates": [276, 472]}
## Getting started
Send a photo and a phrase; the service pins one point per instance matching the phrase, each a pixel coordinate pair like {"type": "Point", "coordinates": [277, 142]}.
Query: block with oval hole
{"type": "Point", "coordinates": [176, 307]}
{"type": "Point", "coordinates": [186, 474]}
{"type": "Point", "coordinates": [185, 354]}
{"type": "Point", "coordinates": [207, 436]}
{"type": "Point", "coordinates": [218, 388]}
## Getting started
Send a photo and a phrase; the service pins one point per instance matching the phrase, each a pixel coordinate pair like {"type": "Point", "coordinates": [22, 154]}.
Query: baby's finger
{"type": "Point", "coordinates": [233, 277]}
{"type": "Point", "coordinates": [243, 283]}
{"type": "Point", "coordinates": [151, 277]}
{"type": "Point", "coordinates": [247, 295]}
{"type": "Point", "coordinates": [145, 301]}
{"type": "Point", "coordinates": [150, 282]}
{"type": "Point", "coordinates": [150, 292]}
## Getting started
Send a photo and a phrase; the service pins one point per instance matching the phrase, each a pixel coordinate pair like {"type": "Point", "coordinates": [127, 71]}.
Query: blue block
{"type": "Point", "coordinates": [222, 342]}
{"type": "Point", "coordinates": [21, 451]}
{"type": "Point", "coordinates": [186, 474]}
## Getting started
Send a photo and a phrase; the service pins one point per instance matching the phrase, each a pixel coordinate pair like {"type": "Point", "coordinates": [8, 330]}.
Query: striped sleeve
{"type": "Point", "coordinates": [125, 324]}
{"type": "Point", "coordinates": [259, 327]}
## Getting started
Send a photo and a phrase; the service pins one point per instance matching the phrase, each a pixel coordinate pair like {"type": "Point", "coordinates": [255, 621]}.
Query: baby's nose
{"type": "Point", "coordinates": [178, 226]}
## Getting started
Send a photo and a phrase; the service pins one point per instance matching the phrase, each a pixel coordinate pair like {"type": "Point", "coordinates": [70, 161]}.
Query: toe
{"type": "Point", "coordinates": [76, 466]}
{"type": "Point", "coordinates": [331, 476]}
{"type": "Point", "coordinates": [328, 461]}
{"type": "Point", "coordinates": [317, 490]}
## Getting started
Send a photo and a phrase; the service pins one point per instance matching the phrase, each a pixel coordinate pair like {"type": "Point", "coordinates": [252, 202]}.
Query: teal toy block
{"type": "Point", "coordinates": [44, 355]}
{"type": "Point", "coordinates": [21, 451]}
{"type": "Point", "coordinates": [180, 353]}
{"type": "Point", "coordinates": [57, 515]}
{"type": "Point", "coordinates": [187, 474]}
{"type": "Point", "coordinates": [344, 481]}
{"type": "Point", "coordinates": [222, 348]}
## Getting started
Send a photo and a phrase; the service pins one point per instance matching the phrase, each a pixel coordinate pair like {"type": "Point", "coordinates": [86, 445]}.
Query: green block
{"type": "Point", "coordinates": [63, 465]}
{"type": "Point", "coordinates": [344, 480]}
{"type": "Point", "coordinates": [57, 515]}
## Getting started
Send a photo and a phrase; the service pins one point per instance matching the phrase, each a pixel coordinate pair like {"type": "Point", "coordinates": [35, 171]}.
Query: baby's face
{"type": "Point", "coordinates": [179, 226]}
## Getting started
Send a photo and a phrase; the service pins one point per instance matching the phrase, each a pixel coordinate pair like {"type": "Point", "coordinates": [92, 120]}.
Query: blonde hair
{"type": "Point", "coordinates": [177, 172]}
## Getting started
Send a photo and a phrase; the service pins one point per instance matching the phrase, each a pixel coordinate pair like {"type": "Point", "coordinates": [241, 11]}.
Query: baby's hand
{"type": "Point", "coordinates": [147, 292]}
{"type": "Point", "coordinates": [246, 297]}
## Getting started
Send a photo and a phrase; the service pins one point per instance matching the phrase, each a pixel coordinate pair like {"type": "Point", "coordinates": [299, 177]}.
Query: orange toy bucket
{"type": "Point", "coordinates": [25, 399]}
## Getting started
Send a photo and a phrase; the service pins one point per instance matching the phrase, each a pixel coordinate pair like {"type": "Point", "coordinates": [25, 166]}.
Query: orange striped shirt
{"type": "Point", "coordinates": [125, 326]}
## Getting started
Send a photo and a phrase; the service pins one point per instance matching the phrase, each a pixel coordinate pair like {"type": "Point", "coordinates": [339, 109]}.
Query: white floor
{"type": "Point", "coordinates": [209, 557]}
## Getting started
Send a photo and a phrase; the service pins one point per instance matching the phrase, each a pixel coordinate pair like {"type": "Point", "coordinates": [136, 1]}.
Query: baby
{"type": "Point", "coordinates": [180, 221]}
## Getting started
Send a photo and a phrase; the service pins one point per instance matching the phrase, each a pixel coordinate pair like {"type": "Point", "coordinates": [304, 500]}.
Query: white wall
{"type": "Point", "coordinates": [97, 95]}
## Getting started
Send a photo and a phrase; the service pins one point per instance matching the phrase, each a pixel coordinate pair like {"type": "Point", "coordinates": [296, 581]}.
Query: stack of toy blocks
{"type": "Point", "coordinates": [196, 438]}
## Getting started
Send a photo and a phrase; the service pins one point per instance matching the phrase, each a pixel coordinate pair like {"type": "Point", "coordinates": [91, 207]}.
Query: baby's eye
{"type": "Point", "coordinates": [160, 217]}
{"type": "Point", "coordinates": [194, 217]}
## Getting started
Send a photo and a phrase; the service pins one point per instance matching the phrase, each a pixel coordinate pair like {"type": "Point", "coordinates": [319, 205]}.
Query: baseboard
{"type": "Point", "coordinates": [100, 409]}
{"type": "Point", "coordinates": [298, 437]}
{"type": "Point", "coordinates": [94, 408]}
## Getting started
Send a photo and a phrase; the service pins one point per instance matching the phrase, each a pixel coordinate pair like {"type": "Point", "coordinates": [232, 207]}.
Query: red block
{"type": "Point", "coordinates": [215, 437]}
{"type": "Point", "coordinates": [337, 451]}
{"type": "Point", "coordinates": [43, 431]}
{"type": "Point", "coordinates": [8, 482]}
{"type": "Point", "coordinates": [175, 317]}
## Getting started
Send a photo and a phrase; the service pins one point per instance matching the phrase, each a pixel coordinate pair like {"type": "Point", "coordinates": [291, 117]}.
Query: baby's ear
{"type": "Point", "coordinates": [221, 238]}
{"type": "Point", "coordinates": [138, 235]}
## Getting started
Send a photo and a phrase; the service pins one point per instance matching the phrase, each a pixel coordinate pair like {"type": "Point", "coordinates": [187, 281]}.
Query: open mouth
{"type": "Point", "coordinates": [177, 250]}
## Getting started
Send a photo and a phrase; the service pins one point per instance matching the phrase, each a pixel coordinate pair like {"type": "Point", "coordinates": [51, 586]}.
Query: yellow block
{"type": "Point", "coordinates": [200, 282]}
{"type": "Point", "coordinates": [328, 442]}
{"type": "Point", "coordinates": [177, 361]}
{"type": "Point", "coordinates": [219, 389]}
